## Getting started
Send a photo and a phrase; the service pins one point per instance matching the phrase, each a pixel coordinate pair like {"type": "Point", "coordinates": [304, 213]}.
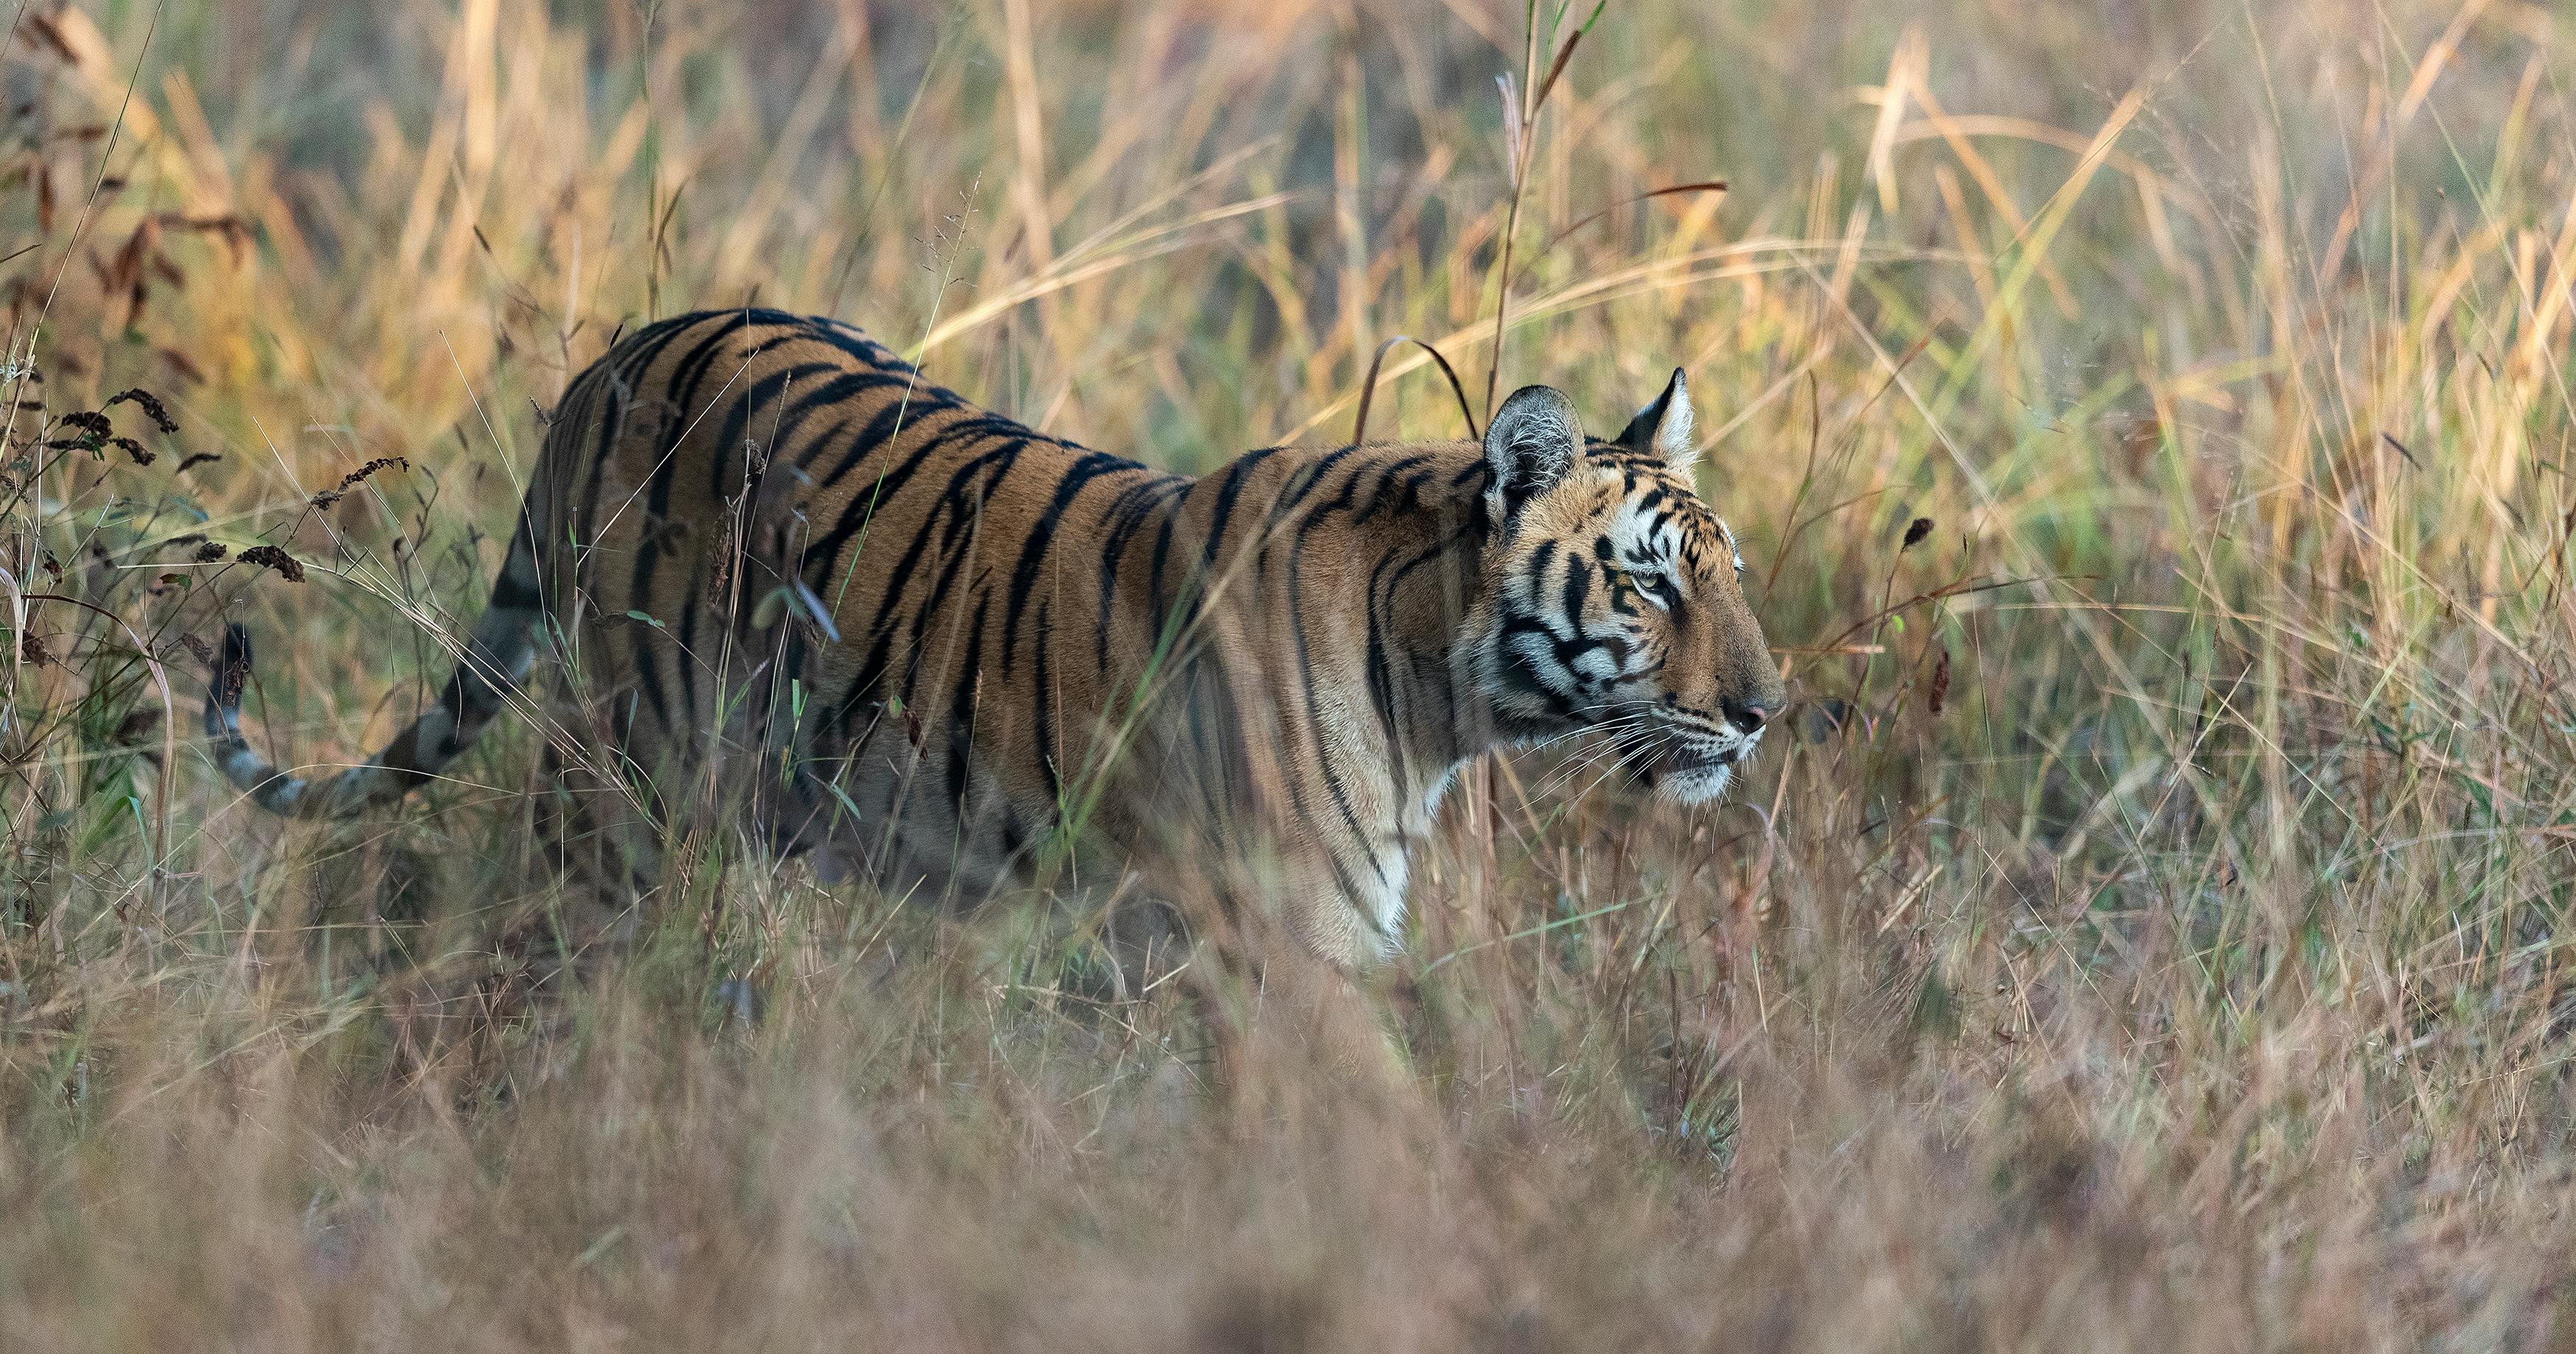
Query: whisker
{"type": "Point", "coordinates": [1639, 752]}
{"type": "Point", "coordinates": [1626, 754]}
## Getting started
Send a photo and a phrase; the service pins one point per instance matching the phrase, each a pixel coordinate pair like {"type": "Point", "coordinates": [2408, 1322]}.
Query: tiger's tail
{"type": "Point", "coordinates": [496, 658]}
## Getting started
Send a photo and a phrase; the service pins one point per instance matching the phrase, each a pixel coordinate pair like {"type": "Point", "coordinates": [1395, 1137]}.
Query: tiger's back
{"type": "Point", "coordinates": [777, 519]}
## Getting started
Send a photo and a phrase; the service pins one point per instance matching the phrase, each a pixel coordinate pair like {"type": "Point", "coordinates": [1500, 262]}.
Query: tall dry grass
{"type": "Point", "coordinates": [2157, 936]}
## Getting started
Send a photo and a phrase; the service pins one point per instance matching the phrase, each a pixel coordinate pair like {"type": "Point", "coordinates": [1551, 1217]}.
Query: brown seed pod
{"type": "Point", "coordinates": [149, 403]}
{"type": "Point", "coordinates": [269, 556]}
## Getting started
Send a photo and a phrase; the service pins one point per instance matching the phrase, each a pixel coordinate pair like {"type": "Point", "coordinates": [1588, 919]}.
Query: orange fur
{"type": "Point", "coordinates": [951, 652]}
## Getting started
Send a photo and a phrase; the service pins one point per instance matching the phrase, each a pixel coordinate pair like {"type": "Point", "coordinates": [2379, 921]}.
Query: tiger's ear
{"type": "Point", "coordinates": [1664, 427]}
{"type": "Point", "coordinates": [1533, 441]}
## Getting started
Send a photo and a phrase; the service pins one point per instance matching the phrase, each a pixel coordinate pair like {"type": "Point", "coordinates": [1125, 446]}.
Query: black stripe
{"type": "Point", "coordinates": [691, 370]}
{"type": "Point", "coordinates": [1127, 515]}
{"type": "Point", "coordinates": [622, 371]}
{"type": "Point", "coordinates": [1050, 757]}
{"type": "Point", "coordinates": [1155, 574]}
{"type": "Point", "coordinates": [897, 413]}
{"type": "Point", "coordinates": [960, 545]}
{"type": "Point", "coordinates": [511, 592]}
{"type": "Point", "coordinates": [881, 627]}
{"type": "Point", "coordinates": [734, 440]}
{"type": "Point", "coordinates": [962, 713]}
{"type": "Point", "coordinates": [1520, 676]}
{"type": "Point", "coordinates": [1334, 784]}
{"type": "Point", "coordinates": [648, 558]}
{"type": "Point", "coordinates": [1578, 590]}
{"type": "Point", "coordinates": [1024, 577]}
{"type": "Point", "coordinates": [1228, 490]}
{"type": "Point", "coordinates": [856, 517]}
{"type": "Point", "coordinates": [1392, 497]}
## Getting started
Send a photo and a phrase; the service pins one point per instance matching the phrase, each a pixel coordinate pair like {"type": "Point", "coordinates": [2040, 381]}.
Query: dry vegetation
{"type": "Point", "coordinates": [2158, 936]}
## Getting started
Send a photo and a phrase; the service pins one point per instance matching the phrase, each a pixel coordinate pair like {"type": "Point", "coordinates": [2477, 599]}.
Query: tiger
{"type": "Point", "coordinates": [937, 649]}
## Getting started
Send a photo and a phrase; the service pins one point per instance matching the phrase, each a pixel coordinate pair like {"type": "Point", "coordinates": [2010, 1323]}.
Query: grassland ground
{"type": "Point", "coordinates": [2153, 933]}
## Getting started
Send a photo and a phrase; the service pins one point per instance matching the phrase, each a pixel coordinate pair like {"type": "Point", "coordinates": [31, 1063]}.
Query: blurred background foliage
{"type": "Point", "coordinates": [2156, 936]}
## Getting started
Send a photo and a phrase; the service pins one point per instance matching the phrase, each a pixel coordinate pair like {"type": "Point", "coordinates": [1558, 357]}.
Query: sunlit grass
{"type": "Point", "coordinates": [2156, 934]}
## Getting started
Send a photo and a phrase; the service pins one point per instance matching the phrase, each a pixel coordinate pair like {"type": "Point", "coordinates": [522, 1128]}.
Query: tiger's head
{"type": "Point", "coordinates": [1612, 599]}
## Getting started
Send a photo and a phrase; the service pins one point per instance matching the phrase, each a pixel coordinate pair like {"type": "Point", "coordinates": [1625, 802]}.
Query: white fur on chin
{"type": "Point", "coordinates": [1701, 785]}
{"type": "Point", "coordinates": [1706, 784]}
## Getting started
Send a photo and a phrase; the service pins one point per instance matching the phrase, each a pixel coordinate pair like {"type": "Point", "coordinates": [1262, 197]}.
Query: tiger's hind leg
{"type": "Point", "coordinates": [1191, 984]}
{"type": "Point", "coordinates": [1277, 1020]}
{"type": "Point", "coordinates": [592, 845]}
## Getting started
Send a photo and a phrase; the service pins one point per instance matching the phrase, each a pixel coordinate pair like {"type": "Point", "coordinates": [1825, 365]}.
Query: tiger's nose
{"type": "Point", "coordinates": [1749, 716]}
